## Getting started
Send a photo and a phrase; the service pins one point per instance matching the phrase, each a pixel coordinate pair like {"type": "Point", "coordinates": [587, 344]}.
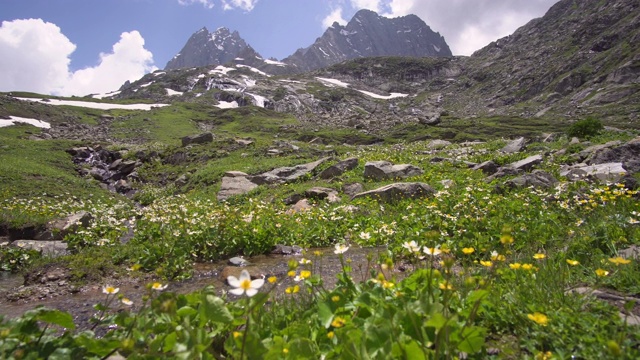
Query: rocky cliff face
{"type": "Point", "coordinates": [204, 48]}
{"type": "Point", "coordinates": [368, 34]}
{"type": "Point", "coordinates": [578, 59]}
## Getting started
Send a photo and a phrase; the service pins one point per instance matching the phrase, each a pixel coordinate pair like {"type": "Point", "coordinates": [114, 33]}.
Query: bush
{"type": "Point", "coordinates": [585, 128]}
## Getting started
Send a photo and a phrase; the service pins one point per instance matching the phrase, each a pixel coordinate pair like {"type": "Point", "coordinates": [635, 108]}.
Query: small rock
{"type": "Point", "coordinates": [238, 261]}
{"type": "Point", "coordinates": [514, 146]}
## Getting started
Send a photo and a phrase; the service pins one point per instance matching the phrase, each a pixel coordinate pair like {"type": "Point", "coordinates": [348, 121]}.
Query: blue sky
{"type": "Point", "coordinates": [82, 46]}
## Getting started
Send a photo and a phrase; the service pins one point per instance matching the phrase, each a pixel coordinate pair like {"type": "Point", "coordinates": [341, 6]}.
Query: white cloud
{"type": "Point", "coordinates": [335, 16]}
{"type": "Point", "coordinates": [468, 25]}
{"type": "Point", "coordinates": [129, 60]}
{"type": "Point", "coordinates": [206, 3]}
{"type": "Point", "coordinates": [36, 57]}
{"type": "Point", "coordinates": [375, 5]}
{"type": "Point", "coordinates": [246, 5]}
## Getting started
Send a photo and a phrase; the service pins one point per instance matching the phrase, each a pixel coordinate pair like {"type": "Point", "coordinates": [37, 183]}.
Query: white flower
{"type": "Point", "coordinates": [304, 261]}
{"type": "Point", "coordinates": [158, 286]}
{"type": "Point", "coordinates": [411, 246]}
{"type": "Point", "coordinates": [340, 249]}
{"type": "Point", "coordinates": [365, 235]}
{"type": "Point", "coordinates": [244, 284]}
{"type": "Point", "coordinates": [110, 290]}
{"type": "Point", "coordinates": [127, 302]}
{"type": "Point", "coordinates": [434, 251]}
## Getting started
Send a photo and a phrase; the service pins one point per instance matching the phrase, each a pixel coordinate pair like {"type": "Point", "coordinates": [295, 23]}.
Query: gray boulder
{"type": "Point", "coordinates": [398, 191]}
{"type": "Point", "coordinates": [627, 154]}
{"type": "Point", "coordinates": [514, 146]}
{"type": "Point", "coordinates": [352, 189]}
{"type": "Point", "coordinates": [537, 179]}
{"type": "Point", "coordinates": [608, 172]}
{"type": "Point", "coordinates": [488, 167]}
{"type": "Point", "coordinates": [287, 174]}
{"type": "Point", "coordinates": [235, 185]}
{"type": "Point", "coordinates": [197, 139]}
{"type": "Point", "coordinates": [526, 164]}
{"type": "Point", "coordinates": [58, 229]}
{"type": "Point", "coordinates": [339, 168]}
{"type": "Point", "coordinates": [382, 170]}
{"type": "Point", "coordinates": [321, 193]}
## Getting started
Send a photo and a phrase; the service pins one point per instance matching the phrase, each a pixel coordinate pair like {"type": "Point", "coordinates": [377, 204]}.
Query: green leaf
{"type": "Point", "coordinates": [186, 311]}
{"type": "Point", "coordinates": [170, 342]}
{"type": "Point", "coordinates": [302, 349]}
{"type": "Point", "coordinates": [471, 339]}
{"type": "Point", "coordinates": [325, 315]}
{"type": "Point", "coordinates": [215, 310]}
{"type": "Point", "coordinates": [437, 320]}
{"type": "Point", "coordinates": [56, 317]}
{"type": "Point", "coordinates": [414, 351]}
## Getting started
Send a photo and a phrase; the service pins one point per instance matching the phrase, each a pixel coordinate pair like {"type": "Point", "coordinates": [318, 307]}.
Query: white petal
{"type": "Point", "coordinates": [233, 281]}
{"type": "Point", "coordinates": [238, 291]}
{"type": "Point", "coordinates": [257, 283]}
{"type": "Point", "coordinates": [251, 292]}
{"type": "Point", "coordinates": [244, 275]}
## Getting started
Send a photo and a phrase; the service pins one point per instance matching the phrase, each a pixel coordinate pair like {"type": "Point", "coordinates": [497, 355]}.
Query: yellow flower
{"type": "Point", "coordinates": [335, 298]}
{"type": "Point", "coordinates": [305, 274]}
{"type": "Point", "coordinates": [292, 290]}
{"type": "Point", "coordinates": [338, 322]}
{"type": "Point", "coordinates": [486, 263]}
{"type": "Point", "coordinates": [515, 266]}
{"type": "Point", "coordinates": [387, 284]}
{"type": "Point", "coordinates": [527, 267]}
{"type": "Point", "coordinates": [619, 260]}
{"type": "Point", "coordinates": [236, 334]}
{"type": "Point", "coordinates": [539, 256]}
{"type": "Point", "coordinates": [445, 286]}
{"type": "Point", "coordinates": [573, 262]}
{"type": "Point", "coordinates": [330, 334]}
{"type": "Point", "coordinates": [291, 273]}
{"type": "Point", "coordinates": [544, 355]}
{"type": "Point", "coordinates": [317, 253]}
{"type": "Point", "coordinates": [506, 239]}
{"type": "Point", "coordinates": [468, 250]}
{"type": "Point", "coordinates": [497, 257]}
{"type": "Point", "coordinates": [272, 279]}
{"type": "Point", "coordinates": [539, 318]}
{"type": "Point", "coordinates": [602, 272]}
{"type": "Point", "coordinates": [285, 351]}
{"type": "Point", "coordinates": [110, 290]}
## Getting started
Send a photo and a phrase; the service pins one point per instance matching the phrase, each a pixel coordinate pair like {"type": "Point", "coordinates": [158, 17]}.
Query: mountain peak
{"type": "Point", "coordinates": [204, 48]}
{"type": "Point", "coordinates": [369, 34]}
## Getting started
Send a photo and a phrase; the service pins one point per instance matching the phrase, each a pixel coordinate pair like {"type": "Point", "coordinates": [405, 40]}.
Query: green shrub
{"type": "Point", "coordinates": [585, 128]}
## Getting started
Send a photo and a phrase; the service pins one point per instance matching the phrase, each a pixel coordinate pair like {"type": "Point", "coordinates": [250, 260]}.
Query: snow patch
{"type": "Point", "coordinates": [347, 33]}
{"type": "Point", "coordinates": [159, 73]}
{"type": "Point", "coordinates": [290, 81]}
{"type": "Point", "coordinates": [272, 62]}
{"type": "Point", "coordinates": [248, 81]}
{"type": "Point", "coordinates": [173, 92]}
{"type": "Point", "coordinates": [13, 120]}
{"type": "Point", "coordinates": [333, 82]}
{"type": "Point", "coordinates": [253, 69]}
{"type": "Point", "coordinates": [100, 96]}
{"type": "Point", "coordinates": [239, 59]}
{"type": "Point", "coordinates": [436, 48]}
{"type": "Point", "coordinates": [147, 84]}
{"type": "Point", "coordinates": [202, 76]}
{"type": "Point", "coordinates": [221, 70]}
{"type": "Point", "coordinates": [258, 100]}
{"type": "Point", "coordinates": [227, 105]}
{"type": "Point", "coordinates": [220, 47]}
{"type": "Point", "coordinates": [376, 96]}
{"type": "Point", "coordinates": [324, 52]}
{"type": "Point", "coordinates": [94, 105]}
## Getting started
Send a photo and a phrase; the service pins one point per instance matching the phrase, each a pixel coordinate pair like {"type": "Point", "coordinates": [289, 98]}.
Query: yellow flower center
{"type": "Point", "coordinates": [245, 284]}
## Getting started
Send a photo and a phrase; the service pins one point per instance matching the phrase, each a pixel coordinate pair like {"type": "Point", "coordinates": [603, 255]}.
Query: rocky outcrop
{"type": "Point", "coordinates": [197, 139]}
{"type": "Point", "coordinates": [536, 179]}
{"type": "Point", "coordinates": [339, 168]}
{"type": "Point", "coordinates": [238, 183]}
{"type": "Point", "coordinates": [398, 191]}
{"type": "Point", "coordinates": [382, 170]}
{"type": "Point", "coordinates": [607, 172]}
{"type": "Point", "coordinates": [514, 146]}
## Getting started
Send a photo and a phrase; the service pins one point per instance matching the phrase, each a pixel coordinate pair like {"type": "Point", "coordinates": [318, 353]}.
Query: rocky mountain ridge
{"type": "Point", "coordinates": [576, 61]}
{"type": "Point", "coordinates": [367, 34]}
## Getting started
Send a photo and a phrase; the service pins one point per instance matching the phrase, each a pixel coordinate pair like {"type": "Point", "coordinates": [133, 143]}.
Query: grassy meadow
{"type": "Point", "coordinates": [467, 273]}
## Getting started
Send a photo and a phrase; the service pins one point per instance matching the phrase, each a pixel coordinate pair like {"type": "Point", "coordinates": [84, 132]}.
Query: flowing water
{"type": "Point", "coordinates": [80, 304]}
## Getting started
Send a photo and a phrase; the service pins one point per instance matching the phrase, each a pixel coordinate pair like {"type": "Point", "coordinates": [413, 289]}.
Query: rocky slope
{"type": "Point", "coordinates": [580, 58]}
{"type": "Point", "coordinates": [367, 35]}
{"type": "Point", "coordinates": [576, 61]}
